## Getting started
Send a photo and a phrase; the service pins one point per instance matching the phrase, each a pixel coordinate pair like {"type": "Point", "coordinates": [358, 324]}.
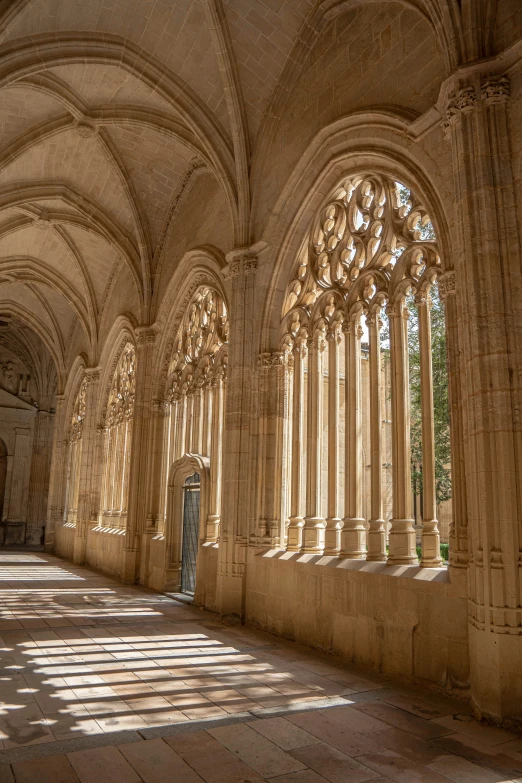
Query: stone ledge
{"type": "Point", "coordinates": [416, 572]}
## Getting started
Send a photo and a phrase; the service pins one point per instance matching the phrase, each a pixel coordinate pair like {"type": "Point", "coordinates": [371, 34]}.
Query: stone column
{"type": "Point", "coordinates": [296, 520]}
{"type": "Point", "coordinates": [332, 534]}
{"type": "Point", "coordinates": [39, 477]}
{"type": "Point", "coordinates": [488, 269]}
{"type": "Point", "coordinates": [271, 414]}
{"type": "Point", "coordinates": [430, 527]}
{"type": "Point", "coordinates": [376, 531]}
{"type": "Point", "coordinates": [206, 433]}
{"type": "Point", "coordinates": [86, 464]}
{"type": "Point", "coordinates": [458, 536]}
{"type": "Point", "coordinates": [189, 422]}
{"type": "Point", "coordinates": [314, 523]}
{"type": "Point", "coordinates": [181, 427]}
{"type": "Point", "coordinates": [140, 452]}
{"type": "Point", "coordinates": [240, 278]}
{"type": "Point", "coordinates": [216, 457]}
{"type": "Point", "coordinates": [197, 418]}
{"type": "Point", "coordinates": [57, 474]}
{"type": "Point", "coordinates": [353, 534]}
{"type": "Point", "coordinates": [402, 539]}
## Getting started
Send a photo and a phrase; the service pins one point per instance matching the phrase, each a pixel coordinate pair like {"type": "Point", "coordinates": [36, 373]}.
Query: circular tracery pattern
{"type": "Point", "coordinates": [200, 350]}
{"type": "Point", "coordinates": [120, 406]}
{"type": "Point", "coordinates": [372, 243]}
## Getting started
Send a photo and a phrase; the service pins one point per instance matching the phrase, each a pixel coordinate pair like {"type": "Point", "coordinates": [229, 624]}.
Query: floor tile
{"type": "Point", "coordinates": [157, 762]}
{"type": "Point", "coordinates": [102, 765]}
{"type": "Point", "coordinates": [257, 752]}
{"type": "Point", "coordinates": [50, 769]}
{"type": "Point", "coordinates": [283, 733]}
{"type": "Point", "coordinates": [334, 765]}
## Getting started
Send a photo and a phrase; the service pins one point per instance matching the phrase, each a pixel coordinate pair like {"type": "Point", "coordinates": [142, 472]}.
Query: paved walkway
{"type": "Point", "coordinates": [102, 683]}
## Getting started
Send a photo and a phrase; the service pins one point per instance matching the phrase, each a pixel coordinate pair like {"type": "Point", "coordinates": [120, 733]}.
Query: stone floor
{"type": "Point", "coordinates": [101, 682]}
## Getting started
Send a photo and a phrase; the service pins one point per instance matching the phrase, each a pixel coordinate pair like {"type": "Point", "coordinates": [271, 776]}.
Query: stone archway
{"type": "Point", "coordinates": [178, 474]}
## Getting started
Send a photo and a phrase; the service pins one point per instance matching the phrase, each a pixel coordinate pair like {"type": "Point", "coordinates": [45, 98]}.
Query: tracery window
{"type": "Point", "coordinates": [370, 258]}
{"type": "Point", "coordinates": [118, 440]}
{"type": "Point", "coordinates": [74, 454]}
{"type": "Point", "coordinates": [195, 393]}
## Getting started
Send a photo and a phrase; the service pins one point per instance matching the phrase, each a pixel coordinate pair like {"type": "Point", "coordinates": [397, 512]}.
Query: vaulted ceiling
{"type": "Point", "coordinates": [108, 107]}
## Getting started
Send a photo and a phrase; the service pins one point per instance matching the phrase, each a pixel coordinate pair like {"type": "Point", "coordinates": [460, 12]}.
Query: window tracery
{"type": "Point", "coordinates": [118, 439]}
{"type": "Point", "coordinates": [195, 393]}
{"type": "Point", "coordinates": [371, 248]}
{"type": "Point", "coordinates": [74, 451]}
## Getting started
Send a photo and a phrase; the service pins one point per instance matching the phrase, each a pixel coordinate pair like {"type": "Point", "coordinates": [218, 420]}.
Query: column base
{"type": "Point", "coordinates": [332, 536]}
{"type": "Point", "coordinates": [377, 541]}
{"type": "Point", "coordinates": [295, 534]}
{"type": "Point", "coordinates": [402, 543]}
{"type": "Point", "coordinates": [313, 535]}
{"type": "Point", "coordinates": [212, 533]}
{"type": "Point", "coordinates": [431, 545]}
{"type": "Point", "coordinates": [353, 539]}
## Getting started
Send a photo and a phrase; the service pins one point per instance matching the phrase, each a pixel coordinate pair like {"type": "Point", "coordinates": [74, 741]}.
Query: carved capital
{"type": "Point", "coordinates": [495, 90]}
{"type": "Point", "coordinates": [461, 102]}
{"type": "Point", "coordinates": [275, 359]}
{"type": "Point", "coordinates": [446, 284]}
{"type": "Point", "coordinates": [92, 375]}
{"type": "Point", "coordinates": [145, 335]}
{"type": "Point", "coordinates": [240, 262]}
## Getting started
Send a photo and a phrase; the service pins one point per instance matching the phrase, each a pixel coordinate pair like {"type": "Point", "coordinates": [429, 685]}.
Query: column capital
{"type": "Point", "coordinates": [146, 335]}
{"type": "Point", "coordinates": [495, 90]}
{"type": "Point", "coordinates": [274, 359]}
{"type": "Point", "coordinates": [241, 260]}
{"type": "Point", "coordinates": [92, 375]}
{"type": "Point", "coordinates": [447, 284]}
{"type": "Point", "coordinates": [462, 101]}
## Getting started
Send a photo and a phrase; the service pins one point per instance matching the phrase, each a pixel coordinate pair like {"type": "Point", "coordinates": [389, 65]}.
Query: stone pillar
{"type": "Point", "coordinates": [489, 307]}
{"type": "Point", "coordinates": [296, 520]}
{"type": "Point", "coordinates": [332, 534]}
{"type": "Point", "coordinates": [39, 477]}
{"type": "Point", "coordinates": [206, 433]}
{"type": "Point", "coordinates": [189, 422]}
{"type": "Point", "coordinates": [87, 464]}
{"type": "Point", "coordinates": [430, 527]}
{"type": "Point", "coordinates": [376, 531]}
{"type": "Point", "coordinates": [57, 474]}
{"type": "Point", "coordinates": [353, 535]}
{"type": "Point", "coordinates": [402, 539]}
{"type": "Point", "coordinates": [140, 452]}
{"type": "Point", "coordinates": [314, 523]}
{"type": "Point", "coordinates": [458, 536]}
{"type": "Point", "coordinates": [272, 369]}
{"type": "Point", "coordinates": [216, 457]}
{"type": "Point", "coordinates": [240, 277]}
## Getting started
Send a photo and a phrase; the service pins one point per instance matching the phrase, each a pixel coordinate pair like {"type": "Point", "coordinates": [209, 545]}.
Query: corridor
{"type": "Point", "coordinates": [104, 682]}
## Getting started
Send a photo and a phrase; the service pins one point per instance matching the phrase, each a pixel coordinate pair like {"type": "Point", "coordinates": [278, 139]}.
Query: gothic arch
{"type": "Point", "coordinates": [317, 175]}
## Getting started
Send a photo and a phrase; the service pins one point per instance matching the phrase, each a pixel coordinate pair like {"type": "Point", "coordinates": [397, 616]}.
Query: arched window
{"type": "Point", "coordinates": [74, 454]}
{"type": "Point", "coordinates": [357, 309]}
{"type": "Point", "coordinates": [118, 440]}
{"type": "Point", "coordinates": [195, 393]}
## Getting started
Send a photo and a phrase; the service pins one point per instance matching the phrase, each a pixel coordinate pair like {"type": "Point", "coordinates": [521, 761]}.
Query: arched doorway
{"type": "Point", "coordinates": [187, 512]}
{"type": "Point", "coordinates": [190, 533]}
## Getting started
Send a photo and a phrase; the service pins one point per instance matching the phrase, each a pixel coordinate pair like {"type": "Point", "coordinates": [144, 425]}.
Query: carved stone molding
{"type": "Point", "coordinates": [241, 262]}
{"type": "Point", "coordinates": [92, 375]}
{"type": "Point", "coordinates": [495, 90]}
{"type": "Point", "coordinates": [145, 336]}
{"type": "Point", "coordinates": [463, 101]}
{"type": "Point", "coordinates": [447, 284]}
{"type": "Point", "coordinates": [275, 359]}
